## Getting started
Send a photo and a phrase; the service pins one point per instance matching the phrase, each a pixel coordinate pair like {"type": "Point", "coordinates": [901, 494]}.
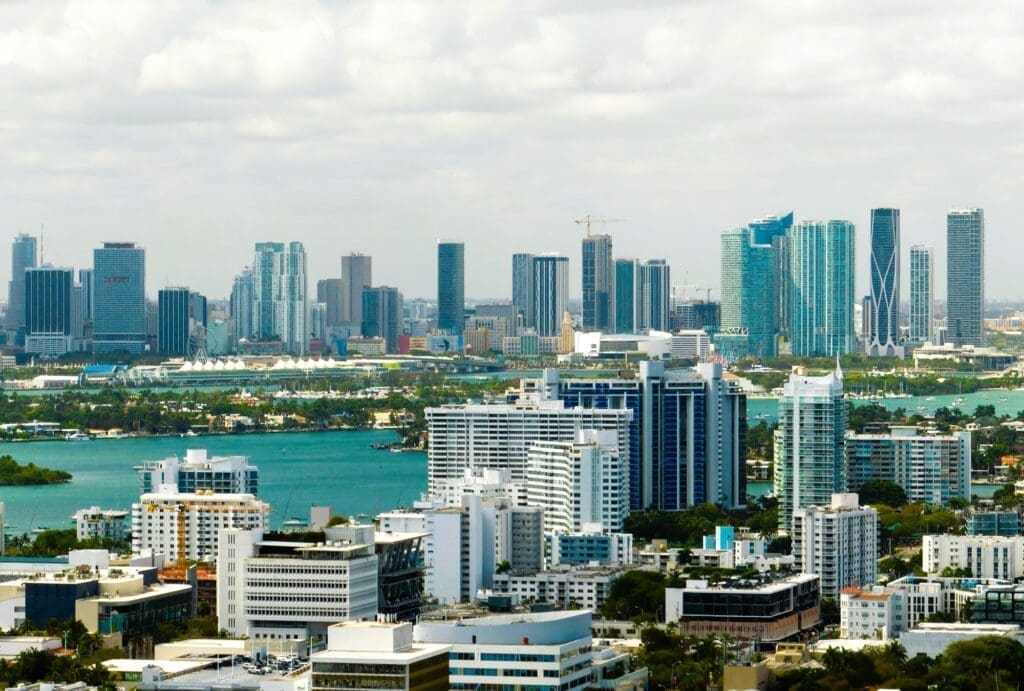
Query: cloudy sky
{"type": "Point", "coordinates": [199, 128]}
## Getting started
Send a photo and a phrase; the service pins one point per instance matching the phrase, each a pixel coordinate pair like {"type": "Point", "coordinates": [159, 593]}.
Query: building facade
{"type": "Point", "coordinates": [119, 298]}
{"type": "Point", "coordinates": [522, 287]}
{"type": "Point", "coordinates": [965, 277]}
{"type": "Point", "coordinates": [922, 293]}
{"type": "Point", "coordinates": [838, 542]}
{"type": "Point", "coordinates": [884, 330]}
{"type": "Point", "coordinates": [822, 295]}
{"type": "Point", "coordinates": [48, 294]}
{"type": "Point", "coordinates": [451, 287]}
{"type": "Point", "coordinates": [356, 274]}
{"type": "Point", "coordinates": [749, 314]}
{"type": "Point", "coordinates": [985, 556]}
{"type": "Point", "coordinates": [280, 299]}
{"type": "Point", "coordinates": [931, 468]}
{"type": "Point", "coordinates": [198, 472]}
{"type": "Point", "coordinates": [655, 295]}
{"type": "Point", "coordinates": [598, 283]}
{"type": "Point", "coordinates": [550, 293]}
{"type": "Point", "coordinates": [382, 315]}
{"type": "Point", "coordinates": [24, 255]}
{"type": "Point", "coordinates": [241, 305]}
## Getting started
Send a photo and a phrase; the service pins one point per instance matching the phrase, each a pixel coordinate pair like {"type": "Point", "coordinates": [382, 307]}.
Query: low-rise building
{"type": "Point", "coordinates": [95, 523]}
{"type": "Point", "coordinates": [763, 608]}
{"type": "Point", "coordinates": [569, 587]}
{"type": "Point", "coordinates": [984, 556]}
{"type": "Point", "coordinates": [1005, 523]}
{"type": "Point", "coordinates": [518, 651]}
{"type": "Point", "coordinates": [877, 613]}
{"type": "Point", "coordinates": [199, 471]}
{"type": "Point", "coordinates": [932, 639]}
{"type": "Point", "coordinates": [589, 547]}
{"type": "Point", "coordinates": [378, 655]}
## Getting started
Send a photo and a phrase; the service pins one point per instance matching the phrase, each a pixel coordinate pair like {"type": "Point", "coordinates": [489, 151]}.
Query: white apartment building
{"type": "Point", "coordinates": [875, 613]}
{"type": "Point", "coordinates": [549, 650]}
{"type": "Point", "coordinates": [691, 343]}
{"type": "Point", "coordinates": [838, 542]}
{"type": "Point", "coordinates": [102, 524]}
{"type": "Point", "coordinates": [499, 436]}
{"type": "Point", "coordinates": [987, 556]}
{"type": "Point", "coordinates": [291, 590]}
{"type": "Point", "coordinates": [199, 471]}
{"type": "Point", "coordinates": [580, 482]}
{"type": "Point", "coordinates": [486, 483]}
{"type": "Point", "coordinates": [467, 542]}
{"type": "Point", "coordinates": [585, 587]}
{"type": "Point", "coordinates": [930, 467]}
{"type": "Point", "coordinates": [185, 527]}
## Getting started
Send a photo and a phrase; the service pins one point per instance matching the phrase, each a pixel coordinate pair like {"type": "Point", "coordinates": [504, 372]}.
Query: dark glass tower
{"type": "Point", "coordinates": [965, 277]}
{"type": "Point", "coordinates": [451, 287]}
{"type": "Point", "coordinates": [884, 325]}
{"type": "Point", "coordinates": [598, 282]}
{"type": "Point", "coordinates": [174, 319]}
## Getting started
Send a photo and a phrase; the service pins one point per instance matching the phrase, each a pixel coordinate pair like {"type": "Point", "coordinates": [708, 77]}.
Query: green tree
{"type": "Point", "coordinates": [882, 492]}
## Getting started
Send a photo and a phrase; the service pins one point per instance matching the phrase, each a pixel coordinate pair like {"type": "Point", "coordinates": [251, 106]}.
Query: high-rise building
{"type": "Point", "coordinates": [329, 292]}
{"type": "Point", "coordinates": [772, 230]}
{"type": "Point", "coordinates": [810, 443]}
{"type": "Point", "coordinates": [748, 308]}
{"type": "Point", "coordinates": [356, 274]}
{"type": "Point", "coordinates": [765, 230]}
{"type": "Point", "coordinates": [241, 304]}
{"type": "Point", "coordinates": [598, 283]}
{"type": "Point", "coordinates": [48, 292]}
{"type": "Point", "coordinates": [838, 542]}
{"type": "Point", "coordinates": [85, 279]}
{"type": "Point", "coordinates": [965, 277]}
{"type": "Point", "coordinates": [687, 432]}
{"type": "Point", "coordinates": [627, 295]}
{"type": "Point", "coordinates": [522, 286]}
{"type": "Point", "coordinates": [197, 472]}
{"type": "Point", "coordinates": [922, 292]}
{"type": "Point", "coordinates": [24, 255]}
{"type": "Point", "coordinates": [280, 295]}
{"type": "Point", "coordinates": [884, 326]}
{"type": "Point", "coordinates": [550, 292]}
{"type": "Point", "coordinates": [174, 314]}
{"type": "Point", "coordinates": [451, 287]}
{"type": "Point", "coordinates": [119, 298]}
{"type": "Point", "coordinates": [382, 315]}
{"type": "Point", "coordinates": [821, 264]}
{"type": "Point", "coordinates": [655, 294]}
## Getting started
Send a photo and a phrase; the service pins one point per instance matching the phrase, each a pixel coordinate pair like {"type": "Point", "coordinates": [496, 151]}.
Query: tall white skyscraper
{"type": "Point", "coordinates": [922, 292]}
{"type": "Point", "coordinates": [810, 443]}
{"type": "Point", "coordinates": [280, 295]}
{"type": "Point", "coordinates": [965, 277]}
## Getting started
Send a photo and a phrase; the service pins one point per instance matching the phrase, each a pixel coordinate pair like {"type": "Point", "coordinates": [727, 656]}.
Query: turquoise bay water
{"type": "Point", "coordinates": [300, 469]}
{"type": "Point", "coordinates": [297, 470]}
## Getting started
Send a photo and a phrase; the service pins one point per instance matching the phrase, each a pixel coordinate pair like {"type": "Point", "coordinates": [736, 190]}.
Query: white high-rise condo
{"type": "Point", "coordinates": [810, 443]}
{"type": "Point", "coordinates": [838, 542]}
{"type": "Point", "coordinates": [922, 292]}
{"type": "Point", "coordinates": [884, 325]}
{"type": "Point", "coordinates": [965, 277]}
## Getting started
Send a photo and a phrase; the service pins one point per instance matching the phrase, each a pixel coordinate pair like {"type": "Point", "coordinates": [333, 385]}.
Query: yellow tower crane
{"type": "Point", "coordinates": [588, 219]}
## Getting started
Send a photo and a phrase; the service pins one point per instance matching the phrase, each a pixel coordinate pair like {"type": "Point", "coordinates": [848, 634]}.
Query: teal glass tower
{"type": "Point", "coordinates": [821, 263]}
{"type": "Point", "coordinates": [748, 314]}
{"type": "Point", "coordinates": [965, 277]}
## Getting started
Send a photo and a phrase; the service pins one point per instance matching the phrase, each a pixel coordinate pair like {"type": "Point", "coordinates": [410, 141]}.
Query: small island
{"type": "Point", "coordinates": [13, 473]}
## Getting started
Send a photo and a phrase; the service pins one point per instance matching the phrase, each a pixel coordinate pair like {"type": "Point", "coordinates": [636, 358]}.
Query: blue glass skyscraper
{"type": "Point", "coordinates": [748, 312]}
{"type": "Point", "coordinates": [451, 287]}
{"type": "Point", "coordinates": [884, 323]}
{"type": "Point", "coordinates": [119, 298]}
{"type": "Point", "coordinates": [627, 293]}
{"type": "Point", "coordinates": [550, 292]}
{"type": "Point", "coordinates": [822, 297]}
{"type": "Point", "coordinates": [965, 277]}
{"type": "Point", "coordinates": [24, 255]}
{"type": "Point", "coordinates": [598, 282]}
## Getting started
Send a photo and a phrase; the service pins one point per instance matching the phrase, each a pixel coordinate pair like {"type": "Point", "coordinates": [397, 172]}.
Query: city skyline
{"type": "Point", "coordinates": [209, 141]}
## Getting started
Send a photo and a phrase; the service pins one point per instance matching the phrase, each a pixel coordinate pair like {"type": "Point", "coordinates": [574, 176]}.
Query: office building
{"type": "Point", "coordinates": [598, 283]}
{"type": "Point", "coordinates": [922, 293]}
{"type": "Point", "coordinates": [821, 261]}
{"type": "Point", "coordinates": [47, 297]}
{"type": "Point", "coordinates": [749, 321]}
{"type": "Point", "coordinates": [451, 287]}
{"type": "Point", "coordinates": [175, 322]}
{"type": "Point", "coordinates": [102, 524]}
{"type": "Point", "coordinates": [382, 315]}
{"type": "Point", "coordinates": [198, 472]}
{"type": "Point", "coordinates": [522, 286]}
{"type": "Point", "coordinates": [965, 277]}
{"type": "Point", "coordinates": [884, 325]}
{"type": "Point", "coordinates": [378, 655]}
{"type": "Point", "coordinates": [515, 651]}
{"type": "Point", "coordinates": [984, 556]}
{"type": "Point", "coordinates": [119, 298]}
{"type": "Point", "coordinates": [85, 280]}
{"type": "Point", "coordinates": [627, 296]}
{"type": "Point", "coordinates": [184, 526]}
{"type": "Point", "coordinates": [764, 608]}
{"type": "Point", "coordinates": [329, 292]}
{"type": "Point", "coordinates": [241, 304]}
{"type": "Point", "coordinates": [583, 483]}
{"type": "Point", "coordinates": [356, 274]}
{"type": "Point", "coordinates": [291, 590]}
{"type": "Point", "coordinates": [687, 434]}
{"type": "Point", "coordinates": [550, 293]}
{"type": "Point", "coordinates": [931, 467]}
{"type": "Point", "coordinates": [280, 301]}
{"type": "Point", "coordinates": [24, 255]}
{"type": "Point", "coordinates": [810, 443]}
{"type": "Point", "coordinates": [655, 291]}
{"type": "Point", "coordinates": [838, 542]}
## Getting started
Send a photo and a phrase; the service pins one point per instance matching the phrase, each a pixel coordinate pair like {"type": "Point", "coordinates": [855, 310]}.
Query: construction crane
{"type": "Point", "coordinates": [588, 219]}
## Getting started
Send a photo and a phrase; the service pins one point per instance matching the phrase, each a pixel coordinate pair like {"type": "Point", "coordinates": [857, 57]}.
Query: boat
{"type": "Point", "coordinates": [380, 446]}
{"type": "Point", "coordinates": [190, 433]}
{"type": "Point", "coordinates": [77, 436]}
{"type": "Point", "coordinates": [930, 398]}
{"type": "Point", "coordinates": [396, 449]}
{"type": "Point", "coordinates": [959, 401]}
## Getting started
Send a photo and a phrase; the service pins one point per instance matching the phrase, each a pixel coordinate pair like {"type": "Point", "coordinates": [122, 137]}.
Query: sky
{"type": "Point", "coordinates": [200, 128]}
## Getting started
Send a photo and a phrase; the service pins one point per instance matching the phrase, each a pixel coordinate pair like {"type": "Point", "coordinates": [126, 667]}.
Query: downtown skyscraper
{"type": "Point", "coordinates": [119, 298]}
{"type": "Point", "coordinates": [279, 305]}
{"type": "Point", "coordinates": [922, 292]}
{"type": "Point", "coordinates": [821, 261]}
{"type": "Point", "coordinates": [356, 274]}
{"type": "Point", "coordinates": [598, 283]}
{"type": "Point", "coordinates": [884, 320]}
{"type": "Point", "coordinates": [49, 310]}
{"type": "Point", "coordinates": [24, 255]}
{"type": "Point", "coordinates": [965, 277]}
{"type": "Point", "coordinates": [749, 324]}
{"type": "Point", "coordinates": [451, 287]}
{"type": "Point", "coordinates": [240, 305]}
{"type": "Point", "coordinates": [550, 292]}
{"type": "Point", "coordinates": [627, 296]}
{"type": "Point", "coordinates": [522, 286]}
{"type": "Point", "coordinates": [382, 315]}
{"type": "Point", "coordinates": [655, 295]}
